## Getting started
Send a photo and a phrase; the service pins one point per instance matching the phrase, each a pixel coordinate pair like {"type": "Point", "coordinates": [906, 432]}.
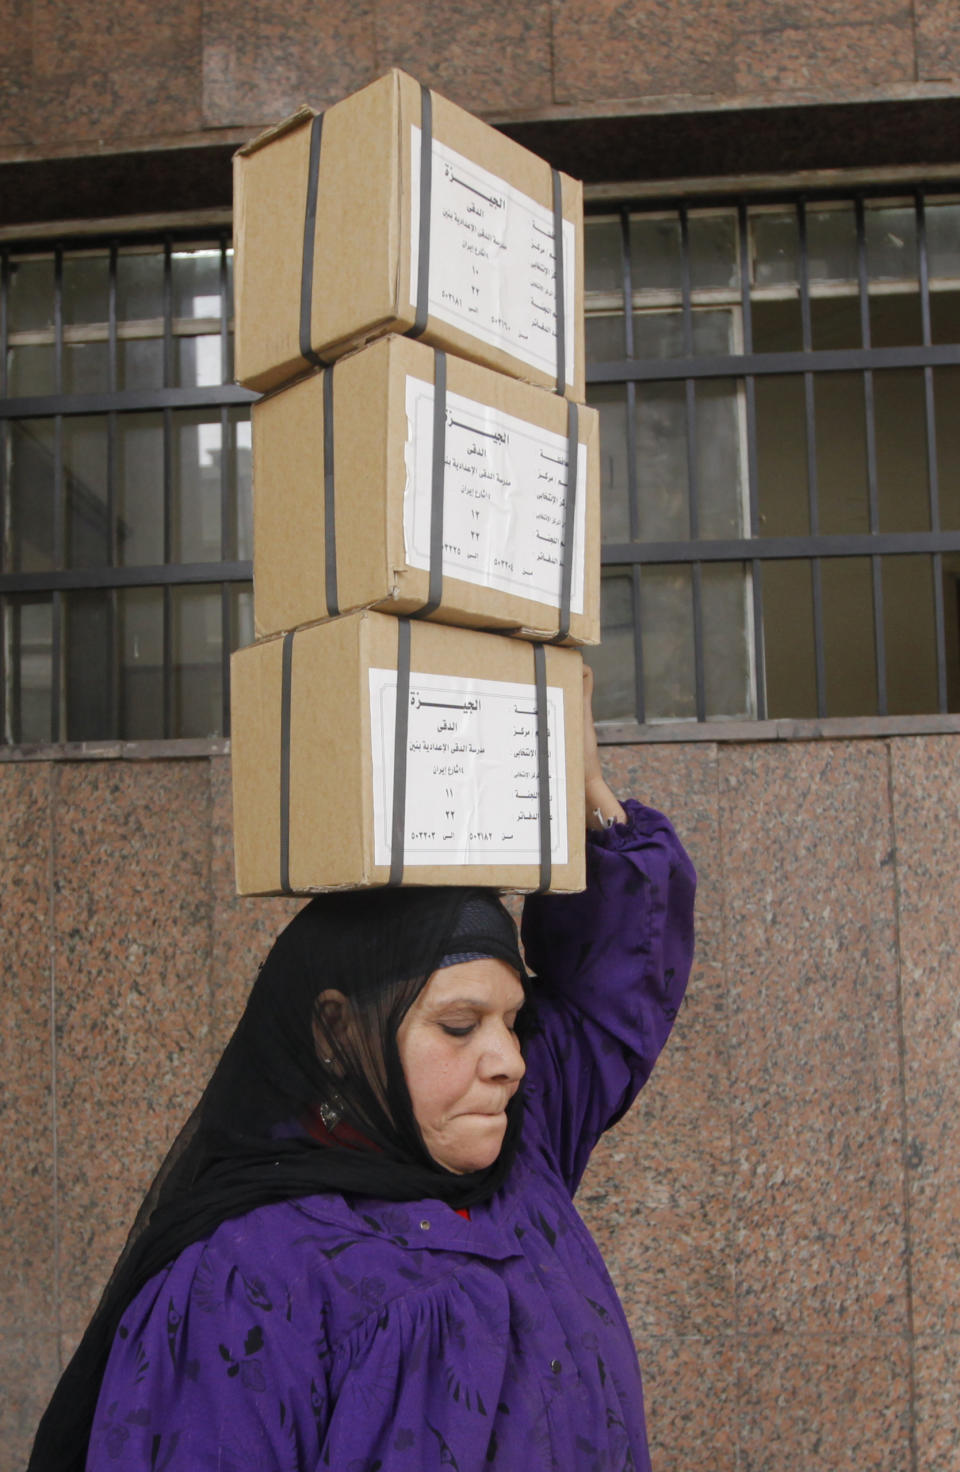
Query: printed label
{"type": "Point", "coordinates": [504, 498]}
{"type": "Point", "coordinates": [472, 784]}
{"type": "Point", "coordinates": [492, 259]}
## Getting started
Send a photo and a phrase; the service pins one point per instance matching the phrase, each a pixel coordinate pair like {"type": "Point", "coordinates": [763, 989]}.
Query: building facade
{"type": "Point", "coordinates": [773, 342]}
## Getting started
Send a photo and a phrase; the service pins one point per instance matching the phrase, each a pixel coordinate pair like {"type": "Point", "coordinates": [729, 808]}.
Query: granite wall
{"type": "Point", "coordinates": [106, 73]}
{"type": "Point", "coordinates": [779, 1210]}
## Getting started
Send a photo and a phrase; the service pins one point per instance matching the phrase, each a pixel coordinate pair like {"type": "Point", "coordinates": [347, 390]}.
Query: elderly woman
{"type": "Point", "coordinates": [362, 1251]}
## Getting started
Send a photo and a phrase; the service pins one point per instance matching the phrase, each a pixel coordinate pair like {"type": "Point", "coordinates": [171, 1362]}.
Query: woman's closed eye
{"type": "Point", "coordinates": [457, 1031]}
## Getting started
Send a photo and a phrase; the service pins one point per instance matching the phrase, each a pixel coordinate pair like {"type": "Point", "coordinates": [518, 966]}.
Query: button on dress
{"type": "Point", "coordinates": [369, 1336]}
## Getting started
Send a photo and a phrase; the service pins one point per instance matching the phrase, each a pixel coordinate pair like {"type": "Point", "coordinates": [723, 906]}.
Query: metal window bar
{"type": "Point", "coordinates": [879, 640]}
{"type": "Point", "coordinates": [693, 494]}
{"type": "Point", "coordinates": [113, 620]}
{"type": "Point", "coordinates": [59, 539]}
{"type": "Point", "coordinates": [228, 539]}
{"type": "Point", "coordinates": [168, 382]}
{"type": "Point", "coordinates": [4, 605]}
{"type": "Point", "coordinates": [930, 430]}
{"type": "Point", "coordinates": [756, 570]}
{"type": "Point", "coordinates": [810, 430]}
{"type": "Point", "coordinates": [633, 494]}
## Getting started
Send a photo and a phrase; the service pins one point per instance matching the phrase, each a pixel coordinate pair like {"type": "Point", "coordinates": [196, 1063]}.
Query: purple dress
{"type": "Point", "coordinates": [358, 1335]}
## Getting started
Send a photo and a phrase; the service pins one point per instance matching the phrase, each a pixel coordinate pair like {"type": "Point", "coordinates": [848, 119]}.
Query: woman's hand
{"type": "Point", "coordinates": [601, 805]}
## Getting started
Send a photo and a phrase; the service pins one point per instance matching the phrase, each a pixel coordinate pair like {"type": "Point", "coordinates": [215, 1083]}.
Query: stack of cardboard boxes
{"type": "Point", "coordinates": [423, 471]}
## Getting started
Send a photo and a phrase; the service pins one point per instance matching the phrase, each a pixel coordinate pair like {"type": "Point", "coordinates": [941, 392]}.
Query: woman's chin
{"type": "Point", "coordinates": [480, 1152]}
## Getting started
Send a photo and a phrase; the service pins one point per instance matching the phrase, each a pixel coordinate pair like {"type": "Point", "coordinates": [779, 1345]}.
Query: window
{"type": "Point", "coordinates": [124, 490]}
{"type": "Point", "coordinates": [778, 383]}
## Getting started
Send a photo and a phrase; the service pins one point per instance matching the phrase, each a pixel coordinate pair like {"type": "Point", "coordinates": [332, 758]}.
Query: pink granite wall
{"type": "Point", "coordinates": [114, 73]}
{"type": "Point", "coordinates": [779, 1211]}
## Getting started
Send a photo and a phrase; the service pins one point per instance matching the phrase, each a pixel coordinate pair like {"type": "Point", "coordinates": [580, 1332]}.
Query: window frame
{"type": "Point", "coordinates": [754, 549]}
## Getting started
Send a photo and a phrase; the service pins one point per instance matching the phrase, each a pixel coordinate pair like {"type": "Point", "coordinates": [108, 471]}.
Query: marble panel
{"type": "Point", "coordinates": [817, 1403]}
{"type": "Point", "coordinates": [938, 40]}
{"type": "Point", "coordinates": [926, 791]}
{"type": "Point", "coordinates": [937, 1371]}
{"type": "Point", "coordinates": [486, 55]}
{"type": "Point", "coordinates": [812, 989]}
{"type": "Point", "coordinates": [261, 60]}
{"type": "Point", "coordinates": [829, 59]}
{"type": "Point", "coordinates": [606, 49]}
{"type": "Point", "coordinates": [27, 1278]}
{"type": "Point", "coordinates": [116, 70]}
{"type": "Point", "coordinates": [657, 1192]}
{"type": "Point", "coordinates": [244, 928]}
{"type": "Point", "coordinates": [690, 1400]}
{"type": "Point", "coordinates": [28, 1373]}
{"type": "Point", "coordinates": [681, 780]}
{"type": "Point", "coordinates": [132, 941]}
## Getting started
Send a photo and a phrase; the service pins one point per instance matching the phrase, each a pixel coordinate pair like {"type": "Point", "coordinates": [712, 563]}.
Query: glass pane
{"type": "Point", "coordinates": [946, 397]}
{"type": "Point", "coordinates": [33, 370]}
{"type": "Point", "coordinates": [891, 238]}
{"type": "Point", "coordinates": [613, 661]}
{"type": "Point", "coordinates": [666, 626]}
{"type": "Point", "coordinates": [197, 631]}
{"type": "Point", "coordinates": [85, 483]}
{"type": "Point", "coordinates": [727, 641]}
{"type": "Point", "coordinates": [196, 487]}
{"type": "Point", "coordinates": [29, 533]}
{"type": "Point", "coordinates": [841, 452]}
{"type": "Point", "coordinates": [603, 268]}
{"type": "Point", "coordinates": [943, 239]}
{"type": "Point", "coordinates": [198, 361]}
{"type": "Point", "coordinates": [661, 421]}
{"type": "Point", "coordinates": [713, 250]}
{"type": "Point", "coordinates": [88, 665]}
{"type": "Point", "coordinates": [782, 457]}
{"type": "Point", "coordinates": [196, 283]}
{"type": "Point", "coordinates": [610, 401]}
{"type": "Point", "coordinates": [720, 458]}
{"type": "Point", "coordinates": [28, 668]}
{"type": "Point", "coordinates": [950, 583]}
{"type": "Point", "coordinates": [848, 636]}
{"type": "Point", "coordinates": [655, 253]}
{"type": "Point", "coordinates": [789, 658]}
{"type": "Point", "coordinates": [605, 338]}
{"type": "Point", "coordinates": [139, 285]}
{"type": "Point", "coordinates": [777, 326]}
{"type": "Point", "coordinates": [241, 615]}
{"type": "Point", "coordinates": [901, 441]}
{"type": "Point", "coordinates": [835, 322]}
{"type": "Point", "coordinates": [31, 295]}
{"type": "Point", "coordinates": [661, 334]}
{"type": "Point", "coordinates": [895, 320]}
{"type": "Point", "coordinates": [910, 637]}
{"type": "Point", "coordinates": [945, 316]}
{"type": "Point", "coordinates": [832, 244]}
{"type": "Point", "coordinates": [776, 249]}
{"type": "Point", "coordinates": [239, 421]}
{"type": "Point", "coordinates": [86, 289]}
{"type": "Point", "coordinates": [140, 362]}
{"type": "Point", "coordinates": [140, 615]}
{"type": "Point", "coordinates": [86, 367]}
{"type": "Point", "coordinates": [139, 494]}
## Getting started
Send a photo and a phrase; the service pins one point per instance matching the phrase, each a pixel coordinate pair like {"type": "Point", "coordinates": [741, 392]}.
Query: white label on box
{"type": "Point", "coordinates": [491, 259]}
{"type": "Point", "coordinates": [472, 789]}
{"type": "Point", "coordinates": [504, 498]}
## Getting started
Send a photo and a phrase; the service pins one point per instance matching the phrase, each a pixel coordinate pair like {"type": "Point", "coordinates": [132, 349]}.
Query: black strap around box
{"type": "Point", "coordinates": [426, 195]}
{"type": "Point", "coordinates": [543, 766]}
{"type": "Point", "coordinates": [569, 522]}
{"type": "Point", "coordinates": [286, 690]}
{"type": "Point", "coordinates": [309, 239]}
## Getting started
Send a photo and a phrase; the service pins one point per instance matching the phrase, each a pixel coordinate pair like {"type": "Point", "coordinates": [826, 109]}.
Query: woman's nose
{"type": "Point", "coordinates": [504, 1059]}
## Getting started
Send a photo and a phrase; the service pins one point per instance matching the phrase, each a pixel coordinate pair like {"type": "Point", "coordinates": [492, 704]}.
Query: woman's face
{"type": "Point", "coordinates": [462, 1061]}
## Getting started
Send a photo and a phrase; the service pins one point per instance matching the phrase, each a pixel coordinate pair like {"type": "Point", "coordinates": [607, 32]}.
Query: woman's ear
{"type": "Point", "coordinates": [332, 1021]}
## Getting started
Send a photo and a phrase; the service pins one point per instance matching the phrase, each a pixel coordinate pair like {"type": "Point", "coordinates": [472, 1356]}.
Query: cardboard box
{"type": "Point", "coordinates": [313, 757]}
{"type": "Point", "coordinates": [492, 286]}
{"type": "Point", "coordinates": [504, 497]}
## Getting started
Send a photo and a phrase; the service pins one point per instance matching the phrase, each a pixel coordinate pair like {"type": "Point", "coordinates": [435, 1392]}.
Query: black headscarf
{"type": "Point", "coordinates": [294, 1107]}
